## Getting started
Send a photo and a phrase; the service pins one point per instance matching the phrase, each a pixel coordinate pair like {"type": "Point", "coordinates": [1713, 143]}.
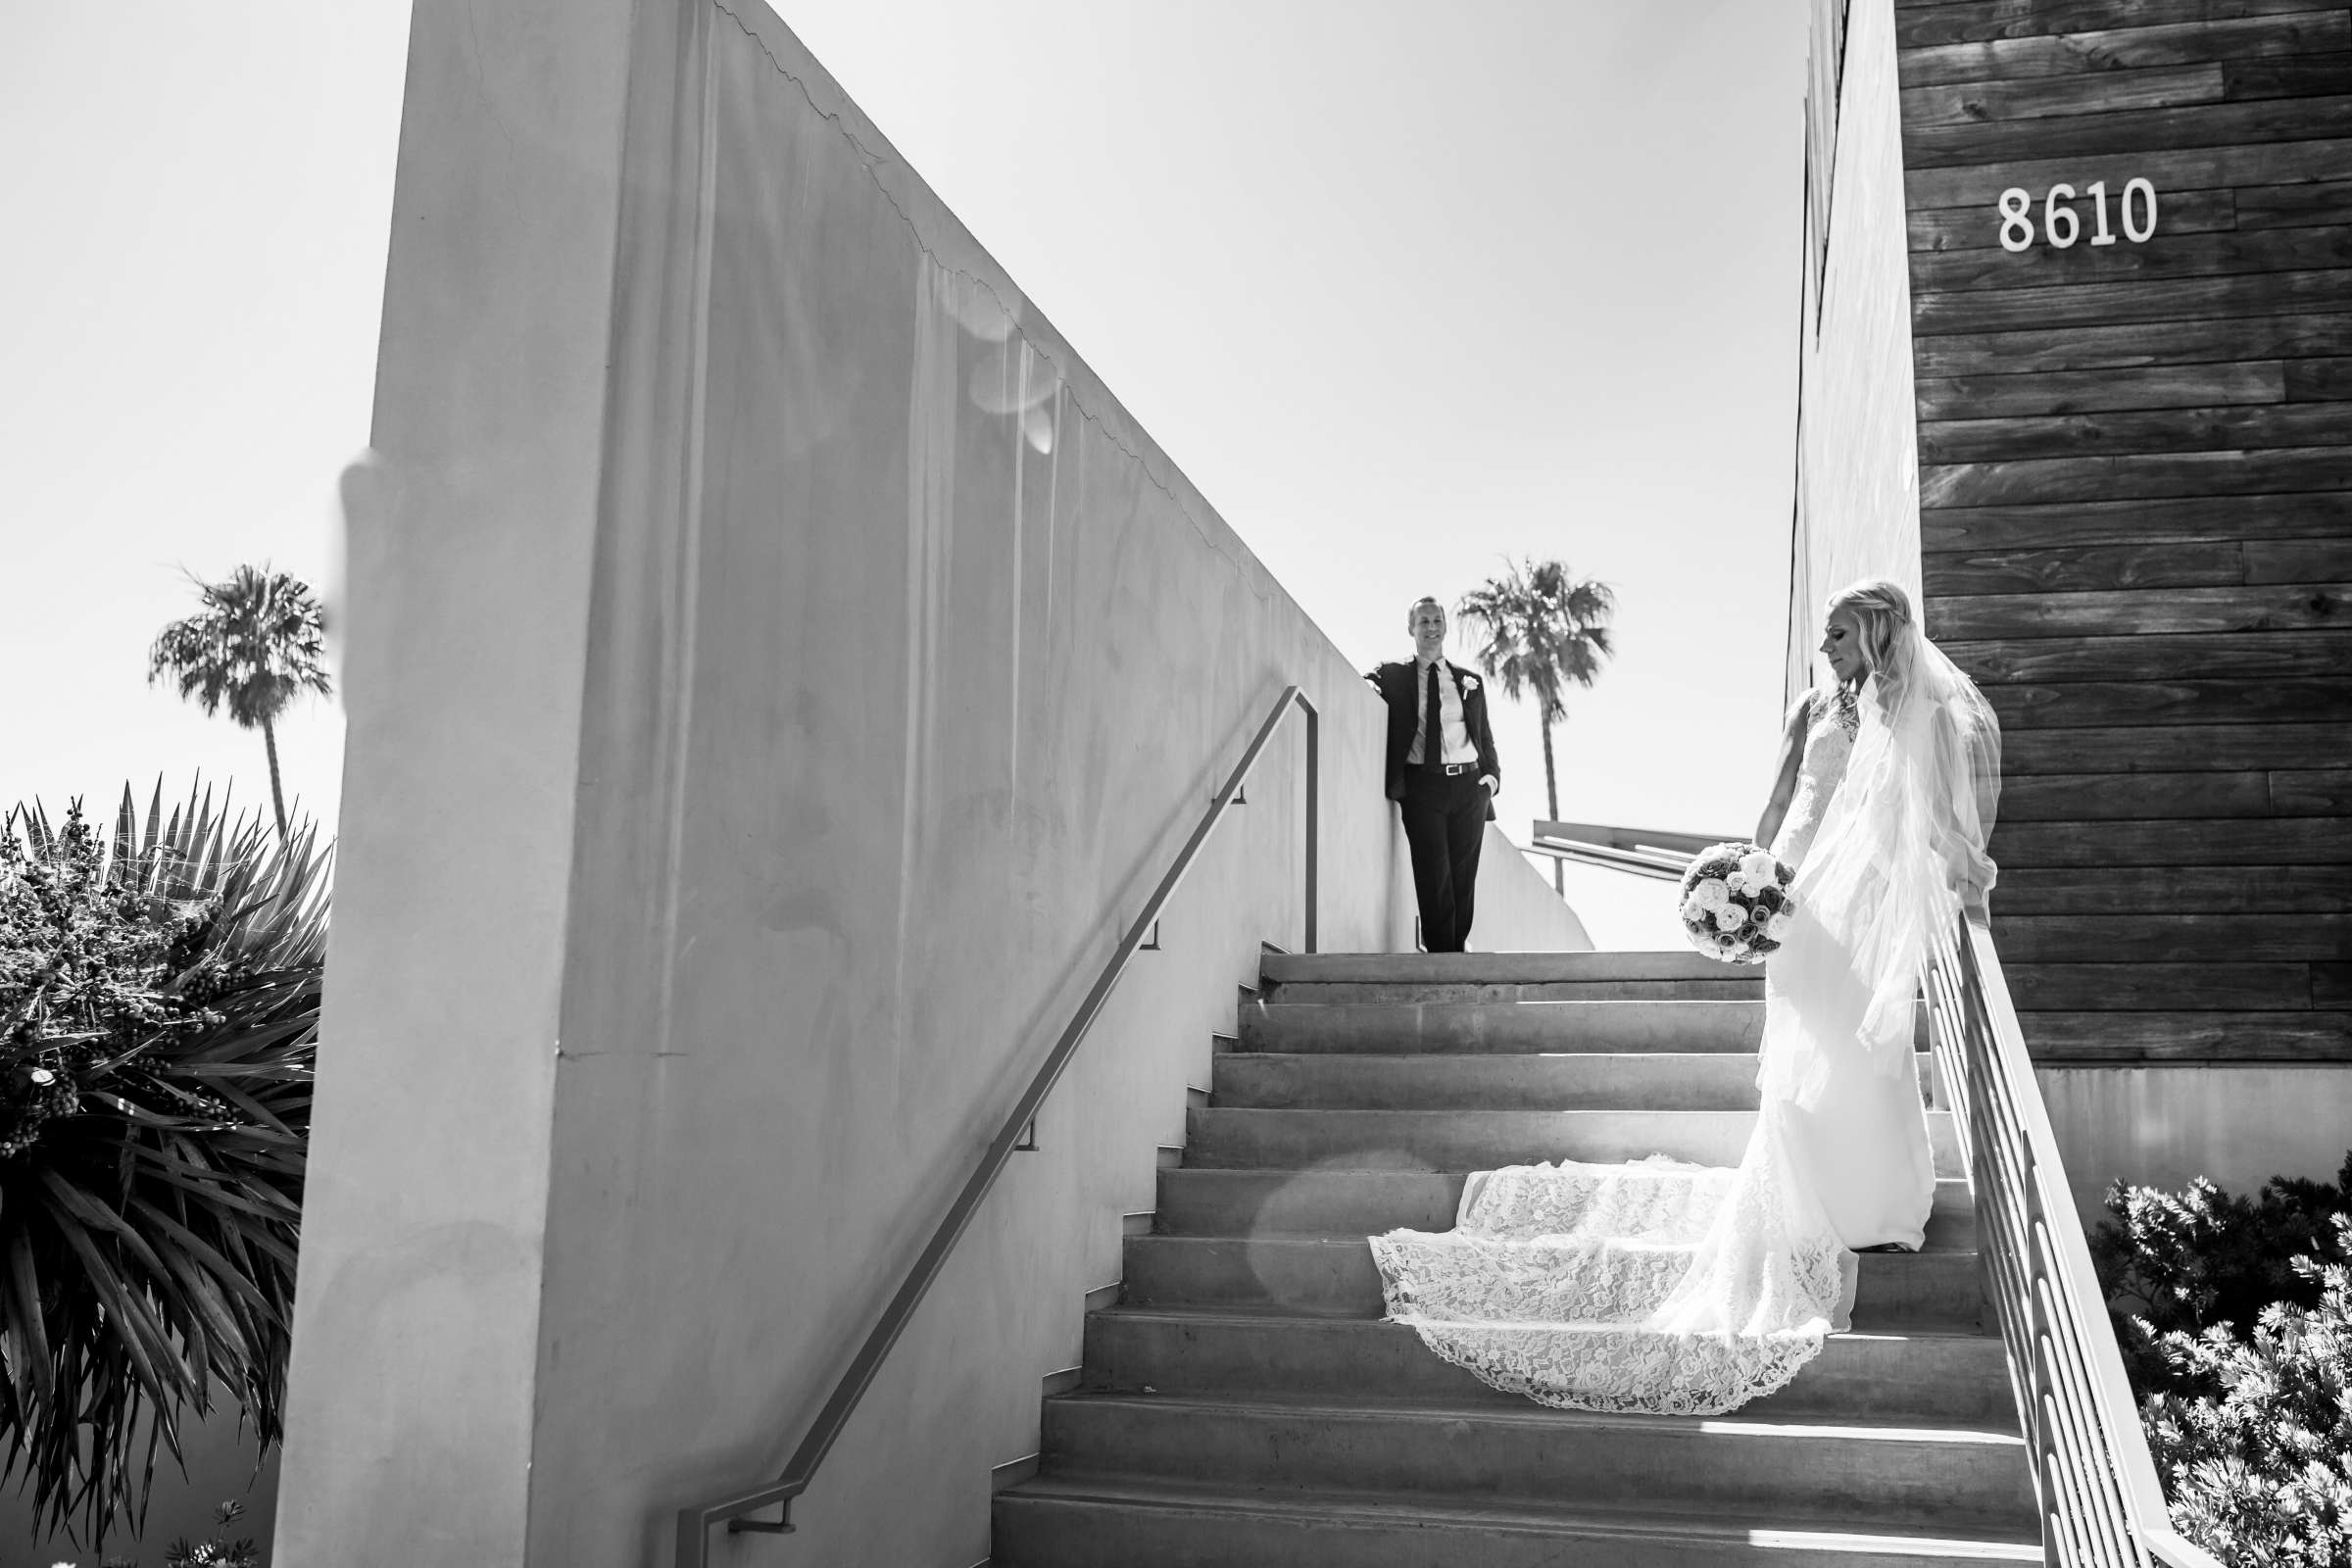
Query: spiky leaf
{"type": "Point", "coordinates": [159, 1000]}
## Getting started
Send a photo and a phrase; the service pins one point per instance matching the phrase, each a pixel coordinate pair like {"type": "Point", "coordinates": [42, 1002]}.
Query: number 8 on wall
{"type": "Point", "coordinates": [2060, 225]}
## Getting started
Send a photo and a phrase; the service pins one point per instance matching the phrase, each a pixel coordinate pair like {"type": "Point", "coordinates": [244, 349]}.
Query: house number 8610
{"type": "Point", "coordinates": [2061, 227]}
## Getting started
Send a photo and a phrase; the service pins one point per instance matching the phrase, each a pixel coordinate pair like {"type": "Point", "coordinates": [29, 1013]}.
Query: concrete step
{"type": "Point", "coordinates": [1895, 1293]}
{"type": "Point", "coordinates": [1192, 1202]}
{"type": "Point", "coordinates": [1068, 1522]}
{"type": "Point", "coordinates": [1921, 1379]}
{"type": "Point", "coordinates": [1735, 985]}
{"type": "Point", "coordinates": [1227, 1138]}
{"type": "Point", "coordinates": [1493, 968]}
{"type": "Point", "coordinates": [1955, 1476]}
{"type": "Point", "coordinates": [1470, 1027]}
{"type": "Point", "coordinates": [1596, 1081]}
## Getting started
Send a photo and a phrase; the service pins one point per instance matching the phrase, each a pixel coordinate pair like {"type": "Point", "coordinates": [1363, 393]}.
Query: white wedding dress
{"type": "Point", "coordinates": [1664, 1287]}
{"type": "Point", "coordinates": [1862, 1146]}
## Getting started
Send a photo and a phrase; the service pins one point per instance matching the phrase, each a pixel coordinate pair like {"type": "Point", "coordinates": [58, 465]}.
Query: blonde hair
{"type": "Point", "coordinates": [1881, 614]}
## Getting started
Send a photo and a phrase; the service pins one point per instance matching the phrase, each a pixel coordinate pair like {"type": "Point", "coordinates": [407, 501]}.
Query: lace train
{"type": "Point", "coordinates": [1656, 1287]}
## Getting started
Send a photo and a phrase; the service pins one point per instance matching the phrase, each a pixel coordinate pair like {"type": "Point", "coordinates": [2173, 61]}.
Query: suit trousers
{"type": "Point", "coordinates": [1444, 823]}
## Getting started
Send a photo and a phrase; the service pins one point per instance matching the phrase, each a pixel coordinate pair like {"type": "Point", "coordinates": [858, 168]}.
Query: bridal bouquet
{"type": "Point", "coordinates": [1735, 904]}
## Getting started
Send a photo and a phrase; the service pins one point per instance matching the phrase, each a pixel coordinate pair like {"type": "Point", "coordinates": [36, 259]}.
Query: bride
{"type": "Point", "coordinates": [1666, 1286]}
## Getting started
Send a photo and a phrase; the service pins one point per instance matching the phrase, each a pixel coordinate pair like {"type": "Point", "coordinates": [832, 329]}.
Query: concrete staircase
{"type": "Point", "coordinates": [1243, 1403]}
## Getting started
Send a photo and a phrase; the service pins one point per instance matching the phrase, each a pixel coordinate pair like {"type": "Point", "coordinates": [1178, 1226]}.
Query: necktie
{"type": "Point", "coordinates": [1433, 726]}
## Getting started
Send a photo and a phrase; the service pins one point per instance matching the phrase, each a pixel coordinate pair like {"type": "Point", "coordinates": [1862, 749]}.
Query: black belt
{"type": "Point", "coordinates": [1450, 769]}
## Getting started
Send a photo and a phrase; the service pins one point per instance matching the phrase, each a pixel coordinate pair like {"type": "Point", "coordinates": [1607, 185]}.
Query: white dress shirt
{"type": "Point", "coordinates": [1454, 734]}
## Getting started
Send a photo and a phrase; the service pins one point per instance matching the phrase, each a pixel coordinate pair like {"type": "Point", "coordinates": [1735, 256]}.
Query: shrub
{"type": "Point", "coordinates": [2242, 1352]}
{"type": "Point", "coordinates": [2262, 1475]}
{"type": "Point", "coordinates": [159, 1001]}
{"type": "Point", "coordinates": [2185, 1262]}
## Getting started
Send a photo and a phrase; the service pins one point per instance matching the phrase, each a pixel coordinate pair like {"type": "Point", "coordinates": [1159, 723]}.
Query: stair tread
{"type": "Point", "coordinates": [1337, 1277]}
{"type": "Point", "coordinates": [1995, 1541]}
{"type": "Point", "coordinates": [1507, 1027]}
{"type": "Point", "coordinates": [1256, 1313]}
{"type": "Point", "coordinates": [1551, 1005]}
{"type": "Point", "coordinates": [1553, 1010]}
{"type": "Point", "coordinates": [1477, 1112]}
{"type": "Point", "coordinates": [1500, 968]}
{"type": "Point", "coordinates": [1388, 1060]}
{"type": "Point", "coordinates": [1333, 992]}
{"type": "Point", "coordinates": [1412, 1080]}
{"type": "Point", "coordinates": [1244, 1137]}
{"type": "Point", "coordinates": [1951, 1192]}
{"type": "Point", "coordinates": [1526, 1412]}
{"type": "Point", "coordinates": [1357, 1237]}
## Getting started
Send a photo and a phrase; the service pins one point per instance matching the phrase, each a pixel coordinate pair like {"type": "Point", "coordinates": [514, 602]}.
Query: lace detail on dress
{"type": "Point", "coordinates": [1657, 1285]}
{"type": "Point", "coordinates": [1655, 1200]}
{"type": "Point", "coordinates": [1835, 719]}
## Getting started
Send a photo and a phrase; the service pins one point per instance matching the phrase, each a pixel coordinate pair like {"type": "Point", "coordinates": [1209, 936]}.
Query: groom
{"type": "Point", "coordinates": [1442, 774]}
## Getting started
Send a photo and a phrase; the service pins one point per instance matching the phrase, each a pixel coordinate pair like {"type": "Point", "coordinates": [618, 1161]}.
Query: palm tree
{"type": "Point", "coordinates": [1544, 631]}
{"type": "Point", "coordinates": [257, 644]}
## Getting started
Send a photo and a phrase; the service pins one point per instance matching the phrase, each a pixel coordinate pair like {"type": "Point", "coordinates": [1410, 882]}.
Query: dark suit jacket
{"type": "Point", "coordinates": [1396, 683]}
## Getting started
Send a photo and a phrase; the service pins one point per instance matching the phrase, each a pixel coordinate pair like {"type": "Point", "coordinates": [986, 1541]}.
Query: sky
{"type": "Point", "coordinates": [1406, 289]}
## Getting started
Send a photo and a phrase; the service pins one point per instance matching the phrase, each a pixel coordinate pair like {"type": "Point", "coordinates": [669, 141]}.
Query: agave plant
{"type": "Point", "coordinates": [158, 1006]}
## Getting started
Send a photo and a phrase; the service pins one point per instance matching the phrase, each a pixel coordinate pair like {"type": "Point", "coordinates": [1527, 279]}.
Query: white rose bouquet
{"type": "Point", "coordinates": [1735, 904]}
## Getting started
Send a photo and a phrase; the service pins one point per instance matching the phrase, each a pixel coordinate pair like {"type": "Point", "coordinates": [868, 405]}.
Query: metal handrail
{"type": "Point", "coordinates": [694, 1523]}
{"type": "Point", "coordinates": [1642, 851]}
{"type": "Point", "coordinates": [1653, 840]}
{"type": "Point", "coordinates": [2101, 1503]}
{"type": "Point", "coordinates": [1664, 866]}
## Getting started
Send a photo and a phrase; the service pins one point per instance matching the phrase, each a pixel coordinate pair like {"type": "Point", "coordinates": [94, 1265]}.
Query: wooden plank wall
{"type": "Point", "coordinates": [2136, 503]}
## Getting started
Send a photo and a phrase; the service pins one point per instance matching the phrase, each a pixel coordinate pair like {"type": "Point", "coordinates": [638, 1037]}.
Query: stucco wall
{"type": "Point", "coordinates": [1857, 465]}
{"type": "Point", "coordinates": [410, 1405]}
{"type": "Point", "coordinates": [2161, 1126]}
{"type": "Point", "coordinates": [1516, 911]}
{"type": "Point", "coordinates": [778, 670]}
